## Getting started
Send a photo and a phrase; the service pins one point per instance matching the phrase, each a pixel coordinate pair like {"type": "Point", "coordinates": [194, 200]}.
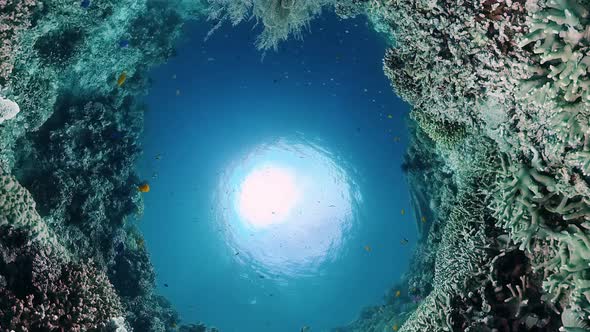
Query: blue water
{"type": "Point", "coordinates": [321, 116]}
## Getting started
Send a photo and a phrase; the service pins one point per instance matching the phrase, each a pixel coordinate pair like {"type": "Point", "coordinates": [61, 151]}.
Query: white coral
{"type": "Point", "coordinates": [8, 109]}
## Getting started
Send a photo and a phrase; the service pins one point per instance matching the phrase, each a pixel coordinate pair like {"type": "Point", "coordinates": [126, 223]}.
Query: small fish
{"type": "Point", "coordinates": [85, 4]}
{"type": "Point", "coordinates": [253, 301]}
{"type": "Point", "coordinates": [237, 253]}
{"type": "Point", "coordinates": [305, 329]}
{"type": "Point", "coordinates": [368, 248]}
{"type": "Point", "coordinates": [158, 156]}
{"type": "Point", "coordinates": [395, 327]}
{"type": "Point", "coordinates": [260, 276]}
{"type": "Point", "coordinates": [423, 219]}
{"type": "Point", "coordinates": [396, 139]}
{"type": "Point", "coordinates": [154, 175]}
{"type": "Point", "coordinates": [403, 212]}
{"type": "Point", "coordinates": [398, 293]}
{"type": "Point", "coordinates": [178, 92]}
{"type": "Point", "coordinates": [332, 205]}
{"type": "Point", "coordinates": [210, 59]}
{"type": "Point", "coordinates": [122, 78]}
{"type": "Point", "coordinates": [144, 188]}
{"type": "Point", "coordinates": [165, 285]}
{"type": "Point", "coordinates": [173, 325]}
{"type": "Point", "coordinates": [403, 242]}
{"type": "Point", "coordinates": [390, 116]}
{"type": "Point", "coordinates": [123, 43]}
{"type": "Point", "coordinates": [174, 76]}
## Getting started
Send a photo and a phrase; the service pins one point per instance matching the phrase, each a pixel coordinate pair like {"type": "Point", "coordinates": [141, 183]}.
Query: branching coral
{"type": "Point", "coordinates": [280, 18]}
{"type": "Point", "coordinates": [559, 32]}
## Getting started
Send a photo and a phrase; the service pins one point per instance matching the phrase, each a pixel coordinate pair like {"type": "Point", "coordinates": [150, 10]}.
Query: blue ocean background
{"type": "Point", "coordinates": [217, 102]}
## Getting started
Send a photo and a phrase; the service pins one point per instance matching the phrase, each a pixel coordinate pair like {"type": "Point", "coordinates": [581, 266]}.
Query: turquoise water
{"type": "Point", "coordinates": [276, 188]}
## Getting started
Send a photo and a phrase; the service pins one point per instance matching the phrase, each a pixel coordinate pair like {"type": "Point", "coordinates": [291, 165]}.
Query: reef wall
{"type": "Point", "coordinates": [72, 76]}
{"type": "Point", "coordinates": [501, 90]}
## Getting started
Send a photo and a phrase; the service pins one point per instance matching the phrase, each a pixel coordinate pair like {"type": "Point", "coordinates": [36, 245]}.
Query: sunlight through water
{"type": "Point", "coordinates": [286, 208]}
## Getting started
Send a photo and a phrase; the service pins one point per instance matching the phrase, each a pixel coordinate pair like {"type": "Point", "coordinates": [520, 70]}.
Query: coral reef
{"type": "Point", "coordinates": [508, 78]}
{"type": "Point", "coordinates": [280, 19]}
{"type": "Point", "coordinates": [73, 147]}
{"type": "Point", "coordinates": [498, 165]}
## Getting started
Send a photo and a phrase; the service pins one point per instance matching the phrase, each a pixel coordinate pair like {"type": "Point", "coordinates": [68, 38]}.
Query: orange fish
{"type": "Point", "coordinates": [144, 188]}
{"type": "Point", "coordinates": [122, 79]}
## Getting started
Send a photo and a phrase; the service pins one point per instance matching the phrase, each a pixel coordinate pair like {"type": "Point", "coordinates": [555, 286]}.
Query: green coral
{"type": "Point", "coordinates": [443, 132]}
{"type": "Point", "coordinates": [559, 34]}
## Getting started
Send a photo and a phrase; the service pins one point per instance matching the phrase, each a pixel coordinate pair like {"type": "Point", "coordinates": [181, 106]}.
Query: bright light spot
{"type": "Point", "coordinates": [286, 208]}
{"type": "Point", "coordinates": [267, 196]}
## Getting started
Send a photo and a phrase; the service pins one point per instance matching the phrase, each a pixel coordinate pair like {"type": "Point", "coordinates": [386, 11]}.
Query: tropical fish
{"type": "Point", "coordinates": [398, 293]}
{"type": "Point", "coordinates": [144, 188]}
{"type": "Point", "coordinates": [122, 78]}
{"type": "Point", "coordinates": [403, 212]}
{"type": "Point", "coordinates": [368, 248]}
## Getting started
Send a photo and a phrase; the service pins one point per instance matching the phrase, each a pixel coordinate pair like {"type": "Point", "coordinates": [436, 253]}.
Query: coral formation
{"type": "Point", "coordinates": [8, 109]}
{"type": "Point", "coordinates": [280, 19]}
{"type": "Point", "coordinates": [508, 247]}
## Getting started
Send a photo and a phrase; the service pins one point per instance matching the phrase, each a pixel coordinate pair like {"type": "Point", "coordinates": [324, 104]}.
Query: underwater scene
{"type": "Point", "coordinates": [295, 165]}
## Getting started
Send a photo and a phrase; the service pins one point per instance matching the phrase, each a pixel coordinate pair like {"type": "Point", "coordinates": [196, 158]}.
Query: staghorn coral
{"type": "Point", "coordinates": [280, 19]}
{"type": "Point", "coordinates": [559, 33]}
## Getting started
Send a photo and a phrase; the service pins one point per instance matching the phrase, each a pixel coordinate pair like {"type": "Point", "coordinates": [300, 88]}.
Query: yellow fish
{"type": "Point", "coordinates": [144, 188]}
{"type": "Point", "coordinates": [423, 219]}
{"type": "Point", "coordinates": [122, 79]}
{"type": "Point", "coordinates": [368, 248]}
{"type": "Point", "coordinates": [398, 293]}
{"type": "Point", "coordinates": [395, 327]}
{"type": "Point", "coordinates": [403, 212]}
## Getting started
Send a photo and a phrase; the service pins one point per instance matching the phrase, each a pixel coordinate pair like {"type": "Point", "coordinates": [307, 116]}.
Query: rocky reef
{"type": "Point", "coordinates": [499, 95]}
{"type": "Point", "coordinates": [498, 165]}
{"type": "Point", "coordinates": [71, 256]}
